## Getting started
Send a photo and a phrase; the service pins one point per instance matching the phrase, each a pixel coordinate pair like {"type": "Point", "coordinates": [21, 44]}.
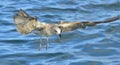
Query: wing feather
{"type": "Point", "coordinates": [24, 23]}
{"type": "Point", "coordinates": [69, 26]}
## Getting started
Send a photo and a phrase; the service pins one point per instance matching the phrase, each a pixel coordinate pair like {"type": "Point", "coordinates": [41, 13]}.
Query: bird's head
{"type": "Point", "coordinates": [58, 30]}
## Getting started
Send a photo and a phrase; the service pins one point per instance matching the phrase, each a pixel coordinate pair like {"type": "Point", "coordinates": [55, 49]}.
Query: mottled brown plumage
{"type": "Point", "coordinates": [26, 24]}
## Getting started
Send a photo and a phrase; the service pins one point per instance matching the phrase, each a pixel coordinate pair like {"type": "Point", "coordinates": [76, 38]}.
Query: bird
{"type": "Point", "coordinates": [26, 24]}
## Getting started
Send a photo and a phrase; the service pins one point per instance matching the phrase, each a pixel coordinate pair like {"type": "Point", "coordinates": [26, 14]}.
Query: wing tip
{"type": "Point", "coordinates": [21, 12]}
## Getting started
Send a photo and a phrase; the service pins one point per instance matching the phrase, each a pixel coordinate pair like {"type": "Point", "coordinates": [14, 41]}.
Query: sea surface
{"type": "Point", "coordinates": [96, 45]}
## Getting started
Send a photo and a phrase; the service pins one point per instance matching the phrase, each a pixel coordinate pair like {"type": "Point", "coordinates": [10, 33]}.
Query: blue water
{"type": "Point", "coordinates": [96, 45]}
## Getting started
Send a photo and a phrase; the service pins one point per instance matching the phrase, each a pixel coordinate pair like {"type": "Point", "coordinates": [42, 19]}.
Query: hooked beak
{"type": "Point", "coordinates": [59, 35]}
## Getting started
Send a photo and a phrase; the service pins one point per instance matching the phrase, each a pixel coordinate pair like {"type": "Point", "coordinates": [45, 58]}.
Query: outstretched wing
{"type": "Point", "coordinates": [24, 23]}
{"type": "Point", "coordinates": [69, 26]}
{"type": "Point", "coordinates": [104, 21]}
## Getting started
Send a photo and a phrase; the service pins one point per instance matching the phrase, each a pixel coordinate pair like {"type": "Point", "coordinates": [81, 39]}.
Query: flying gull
{"type": "Point", "coordinates": [25, 24]}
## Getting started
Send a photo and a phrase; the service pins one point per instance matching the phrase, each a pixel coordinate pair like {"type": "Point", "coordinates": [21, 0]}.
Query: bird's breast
{"type": "Point", "coordinates": [47, 31]}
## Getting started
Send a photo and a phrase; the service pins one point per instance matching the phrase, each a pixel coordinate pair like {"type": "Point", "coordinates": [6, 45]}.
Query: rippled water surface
{"type": "Point", "coordinates": [97, 45]}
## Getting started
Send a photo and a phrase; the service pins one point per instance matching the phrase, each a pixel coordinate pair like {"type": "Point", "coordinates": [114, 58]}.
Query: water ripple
{"type": "Point", "coordinates": [97, 45]}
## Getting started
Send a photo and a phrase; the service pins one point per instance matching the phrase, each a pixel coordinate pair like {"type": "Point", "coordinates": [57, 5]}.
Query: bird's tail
{"type": "Point", "coordinates": [104, 21]}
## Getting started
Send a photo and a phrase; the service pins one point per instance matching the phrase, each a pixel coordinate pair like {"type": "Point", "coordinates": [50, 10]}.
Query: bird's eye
{"type": "Point", "coordinates": [55, 30]}
{"type": "Point", "coordinates": [60, 27]}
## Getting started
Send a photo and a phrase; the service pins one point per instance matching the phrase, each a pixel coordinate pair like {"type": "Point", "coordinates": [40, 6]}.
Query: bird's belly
{"type": "Point", "coordinates": [46, 33]}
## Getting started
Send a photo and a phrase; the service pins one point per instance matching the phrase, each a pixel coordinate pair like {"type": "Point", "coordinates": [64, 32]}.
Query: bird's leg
{"type": "Point", "coordinates": [40, 46]}
{"type": "Point", "coordinates": [47, 45]}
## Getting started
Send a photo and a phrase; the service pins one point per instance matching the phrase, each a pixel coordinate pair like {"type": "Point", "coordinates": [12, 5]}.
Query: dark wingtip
{"type": "Point", "coordinates": [110, 19]}
{"type": "Point", "coordinates": [21, 10]}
